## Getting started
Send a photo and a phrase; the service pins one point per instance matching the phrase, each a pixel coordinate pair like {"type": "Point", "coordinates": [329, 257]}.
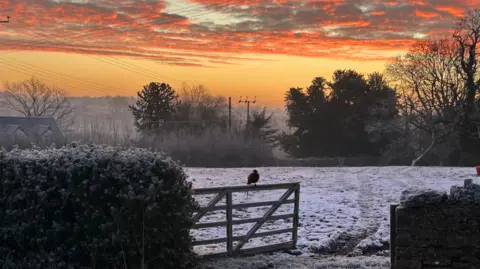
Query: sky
{"type": "Point", "coordinates": [237, 48]}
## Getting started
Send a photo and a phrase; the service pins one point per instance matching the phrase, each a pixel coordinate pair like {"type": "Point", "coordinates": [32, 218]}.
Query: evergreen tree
{"type": "Point", "coordinates": [381, 122]}
{"type": "Point", "coordinates": [155, 105]}
{"type": "Point", "coordinates": [261, 126]}
{"type": "Point", "coordinates": [329, 118]}
{"type": "Point", "coordinates": [349, 105]}
{"type": "Point", "coordinates": [309, 118]}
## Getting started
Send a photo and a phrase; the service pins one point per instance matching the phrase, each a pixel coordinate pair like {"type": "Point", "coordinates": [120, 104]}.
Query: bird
{"type": "Point", "coordinates": [253, 178]}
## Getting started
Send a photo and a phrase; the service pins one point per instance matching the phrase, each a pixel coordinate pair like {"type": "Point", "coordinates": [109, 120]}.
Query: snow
{"type": "Point", "coordinates": [420, 196]}
{"type": "Point", "coordinates": [289, 262]}
{"type": "Point", "coordinates": [333, 201]}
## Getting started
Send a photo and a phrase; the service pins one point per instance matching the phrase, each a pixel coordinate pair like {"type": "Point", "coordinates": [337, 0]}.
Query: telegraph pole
{"type": "Point", "coordinates": [246, 101]}
{"type": "Point", "coordinates": [7, 21]}
{"type": "Point", "coordinates": [230, 113]}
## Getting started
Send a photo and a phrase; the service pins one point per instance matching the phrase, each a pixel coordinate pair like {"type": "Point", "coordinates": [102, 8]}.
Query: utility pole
{"type": "Point", "coordinates": [230, 113]}
{"type": "Point", "coordinates": [246, 101]}
{"type": "Point", "coordinates": [7, 21]}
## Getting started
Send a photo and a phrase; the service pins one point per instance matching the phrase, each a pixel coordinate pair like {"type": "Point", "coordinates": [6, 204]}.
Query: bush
{"type": "Point", "coordinates": [88, 206]}
{"type": "Point", "coordinates": [214, 148]}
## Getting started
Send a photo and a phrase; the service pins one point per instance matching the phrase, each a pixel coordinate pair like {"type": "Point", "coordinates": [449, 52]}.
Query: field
{"type": "Point", "coordinates": [342, 210]}
{"type": "Point", "coordinates": [289, 262]}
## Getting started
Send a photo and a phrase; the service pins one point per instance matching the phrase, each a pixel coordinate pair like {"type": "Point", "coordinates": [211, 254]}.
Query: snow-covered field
{"type": "Point", "coordinates": [289, 262]}
{"type": "Point", "coordinates": [335, 203]}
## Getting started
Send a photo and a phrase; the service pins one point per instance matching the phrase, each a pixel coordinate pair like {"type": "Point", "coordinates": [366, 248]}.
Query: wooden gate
{"type": "Point", "coordinates": [237, 249]}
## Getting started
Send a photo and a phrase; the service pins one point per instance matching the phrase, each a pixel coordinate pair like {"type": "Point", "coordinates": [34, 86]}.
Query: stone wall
{"type": "Point", "coordinates": [436, 230]}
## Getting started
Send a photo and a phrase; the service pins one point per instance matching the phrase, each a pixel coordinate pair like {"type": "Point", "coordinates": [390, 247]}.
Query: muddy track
{"type": "Point", "coordinates": [368, 200]}
{"type": "Point", "coordinates": [368, 224]}
{"type": "Point", "coordinates": [346, 243]}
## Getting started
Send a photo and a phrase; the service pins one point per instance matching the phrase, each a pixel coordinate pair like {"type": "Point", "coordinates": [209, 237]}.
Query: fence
{"type": "Point", "coordinates": [227, 192]}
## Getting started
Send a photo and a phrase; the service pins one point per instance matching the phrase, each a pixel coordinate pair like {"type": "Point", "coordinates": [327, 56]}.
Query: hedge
{"type": "Point", "coordinates": [90, 206]}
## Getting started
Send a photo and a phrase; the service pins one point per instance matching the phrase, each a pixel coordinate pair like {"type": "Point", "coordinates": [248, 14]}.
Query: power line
{"type": "Point", "coordinates": [28, 69]}
{"type": "Point", "coordinates": [45, 76]}
{"type": "Point", "coordinates": [227, 3]}
{"type": "Point", "coordinates": [50, 74]}
{"type": "Point", "coordinates": [130, 66]}
{"type": "Point", "coordinates": [115, 62]}
{"type": "Point", "coordinates": [34, 69]}
{"type": "Point", "coordinates": [21, 70]}
{"type": "Point", "coordinates": [53, 76]}
{"type": "Point", "coordinates": [125, 65]}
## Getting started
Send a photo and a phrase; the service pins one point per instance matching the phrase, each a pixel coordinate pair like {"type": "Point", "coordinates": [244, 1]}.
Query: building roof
{"type": "Point", "coordinates": [33, 127]}
{"type": "Point", "coordinates": [41, 129]}
{"type": "Point", "coordinates": [10, 129]}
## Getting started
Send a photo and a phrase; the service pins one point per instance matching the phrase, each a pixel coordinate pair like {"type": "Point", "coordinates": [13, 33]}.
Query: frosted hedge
{"type": "Point", "coordinates": [89, 206]}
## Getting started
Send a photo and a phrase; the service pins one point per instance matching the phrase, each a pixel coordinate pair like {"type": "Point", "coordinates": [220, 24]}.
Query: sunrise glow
{"type": "Point", "coordinates": [234, 47]}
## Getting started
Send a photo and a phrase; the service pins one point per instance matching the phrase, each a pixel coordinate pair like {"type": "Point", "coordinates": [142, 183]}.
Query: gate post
{"type": "Point", "coordinates": [229, 223]}
{"type": "Point", "coordinates": [296, 218]}
{"type": "Point", "coordinates": [393, 234]}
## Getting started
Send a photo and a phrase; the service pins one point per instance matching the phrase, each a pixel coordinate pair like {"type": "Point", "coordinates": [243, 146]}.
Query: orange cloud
{"type": "Point", "coordinates": [190, 36]}
{"type": "Point", "coordinates": [455, 11]}
{"type": "Point", "coordinates": [425, 15]}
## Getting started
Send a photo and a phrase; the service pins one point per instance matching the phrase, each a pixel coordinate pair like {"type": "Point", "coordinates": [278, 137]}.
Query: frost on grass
{"type": "Point", "coordinates": [89, 206]}
{"type": "Point", "coordinates": [289, 262]}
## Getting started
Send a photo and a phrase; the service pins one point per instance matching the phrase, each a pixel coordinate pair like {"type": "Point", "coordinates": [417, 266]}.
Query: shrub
{"type": "Point", "coordinates": [89, 206]}
{"type": "Point", "coordinates": [214, 148]}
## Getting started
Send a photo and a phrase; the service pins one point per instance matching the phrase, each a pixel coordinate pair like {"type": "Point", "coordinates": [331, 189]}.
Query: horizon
{"type": "Point", "coordinates": [246, 48]}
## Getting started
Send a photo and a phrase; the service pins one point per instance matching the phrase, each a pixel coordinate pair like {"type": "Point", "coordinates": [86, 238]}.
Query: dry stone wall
{"type": "Point", "coordinates": [434, 229]}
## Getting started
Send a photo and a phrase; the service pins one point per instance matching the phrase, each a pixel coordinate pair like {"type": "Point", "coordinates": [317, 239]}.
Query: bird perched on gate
{"type": "Point", "coordinates": [253, 178]}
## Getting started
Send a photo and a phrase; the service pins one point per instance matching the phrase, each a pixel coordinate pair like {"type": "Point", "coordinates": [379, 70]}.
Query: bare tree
{"type": "Point", "coordinates": [198, 108]}
{"type": "Point", "coordinates": [467, 37]}
{"type": "Point", "coordinates": [431, 91]}
{"type": "Point", "coordinates": [34, 98]}
{"type": "Point", "coordinates": [202, 104]}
